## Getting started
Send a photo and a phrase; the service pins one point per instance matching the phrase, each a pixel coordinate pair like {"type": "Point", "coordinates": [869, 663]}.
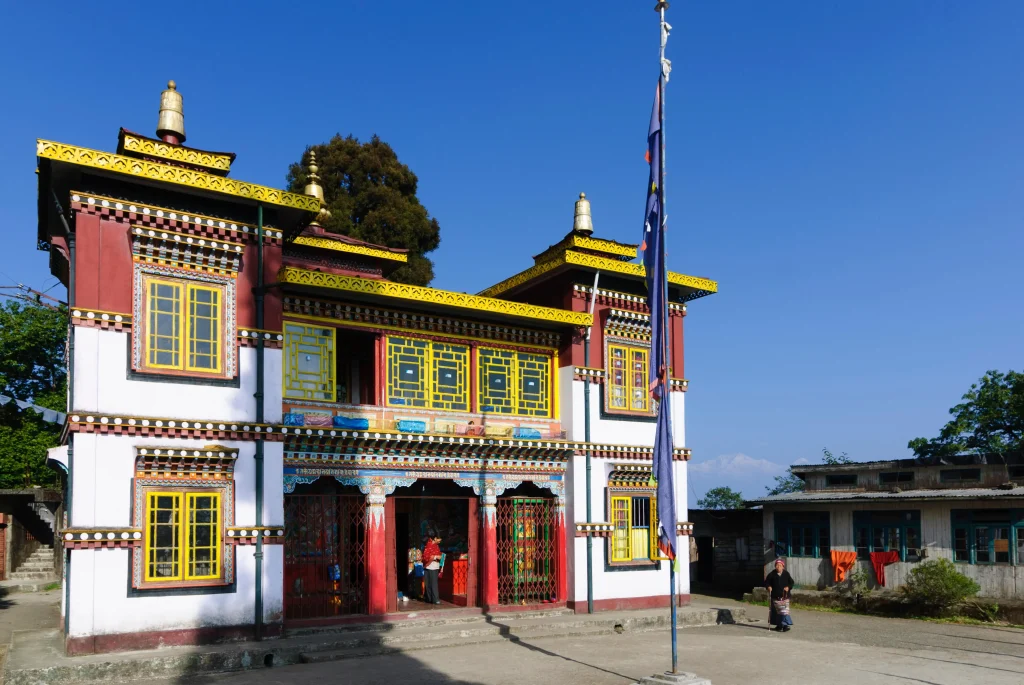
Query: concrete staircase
{"type": "Point", "coordinates": [39, 566]}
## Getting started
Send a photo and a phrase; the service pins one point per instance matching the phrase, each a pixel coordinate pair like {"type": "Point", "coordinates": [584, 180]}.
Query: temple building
{"type": "Point", "coordinates": [263, 429]}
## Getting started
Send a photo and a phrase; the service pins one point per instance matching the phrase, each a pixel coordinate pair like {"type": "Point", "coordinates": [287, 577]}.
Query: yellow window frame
{"type": "Point", "coordinates": [514, 370]}
{"type": "Point", "coordinates": [327, 343]}
{"type": "Point", "coordinates": [437, 356]}
{"type": "Point", "coordinates": [184, 508]}
{"type": "Point", "coordinates": [656, 554]}
{"type": "Point", "coordinates": [622, 529]}
{"type": "Point", "coordinates": [183, 296]}
{"type": "Point", "coordinates": [632, 386]}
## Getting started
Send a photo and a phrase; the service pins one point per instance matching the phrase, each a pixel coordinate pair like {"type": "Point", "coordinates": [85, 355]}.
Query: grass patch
{"type": "Point", "coordinates": [51, 586]}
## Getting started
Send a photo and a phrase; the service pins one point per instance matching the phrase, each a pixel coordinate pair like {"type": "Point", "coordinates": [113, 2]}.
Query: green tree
{"type": "Point", "coordinates": [990, 420]}
{"type": "Point", "coordinates": [32, 368]}
{"type": "Point", "coordinates": [832, 460]}
{"type": "Point", "coordinates": [372, 197]}
{"type": "Point", "coordinates": [721, 498]}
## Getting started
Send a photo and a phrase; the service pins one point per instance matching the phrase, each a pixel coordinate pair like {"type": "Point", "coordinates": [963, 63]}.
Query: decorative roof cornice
{"type": "Point", "coordinates": [366, 250]}
{"type": "Point", "coordinates": [387, 444]}
{"type": "Point", "coordinates": [699, 286]}
{"type": "Point", "coordinates": [178, 154]}
{"type": "Point", "coordinates": [416, 293]}
{"type": "Point", "coordinates": [152, 216]}
{"type": "Point", "coordinates": [636, 303]}
{"type": "Point", "coordinates": [165, 173]}
{"type": "Point", "coordinates": [620, 250]}
{"type": "Point", "coordinates": [421, 324]}
{"type": "Point", "coordinates": [95, 318]}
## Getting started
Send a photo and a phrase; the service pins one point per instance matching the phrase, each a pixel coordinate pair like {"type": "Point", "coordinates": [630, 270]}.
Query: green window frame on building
{"type": "Point", "coordinates": [803, 534]}
{"type": "Point", "coordinates": [988, 536]}
{"type": "Point", "coordinates": [887, 531]}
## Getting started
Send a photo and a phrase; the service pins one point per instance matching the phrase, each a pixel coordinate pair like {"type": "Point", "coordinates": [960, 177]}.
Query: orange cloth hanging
{"type": "Point", "coordinates": [880, 560]}
{"type": "Point", "coordinates": [841, 563]}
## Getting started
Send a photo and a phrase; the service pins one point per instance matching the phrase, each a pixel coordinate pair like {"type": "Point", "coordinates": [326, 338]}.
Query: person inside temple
{"type": "Point", "coordinates": [432, 565]}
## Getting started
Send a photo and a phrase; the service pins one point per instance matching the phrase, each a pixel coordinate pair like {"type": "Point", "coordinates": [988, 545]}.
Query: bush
{"type": "Point", "coordinates": [936, 586]}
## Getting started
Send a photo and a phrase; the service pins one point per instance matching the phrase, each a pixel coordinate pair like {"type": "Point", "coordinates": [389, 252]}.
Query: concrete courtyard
{"type": "Point", "coordinates": [823, 648]}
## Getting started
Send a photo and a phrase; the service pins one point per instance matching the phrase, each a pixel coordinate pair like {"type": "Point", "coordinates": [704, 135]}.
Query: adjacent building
{"type": "Point", "coordinates": [968, 509]}
{"type": "Point", "coordinates": [263, 428]}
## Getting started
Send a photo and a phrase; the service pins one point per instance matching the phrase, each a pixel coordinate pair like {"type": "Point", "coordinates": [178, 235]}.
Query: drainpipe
{"type": "Point", "coordinates": [259, 419]}
{"type": "Point", "coordinates": [70, 237]}
{"type": "Point", "coordinates": [586, 439]}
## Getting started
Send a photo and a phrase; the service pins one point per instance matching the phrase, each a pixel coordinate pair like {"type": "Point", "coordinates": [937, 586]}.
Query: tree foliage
{"type": "Point", "coordinates": [788, 482]}
{"type": "Point", "coordinates": [372, 197]}
{"type": "Point", "coordinates": [721, 498]}
{"type": "Point", "coordinates": [32, 368]}
{"type": "Point", "coordinates": [990, 420]}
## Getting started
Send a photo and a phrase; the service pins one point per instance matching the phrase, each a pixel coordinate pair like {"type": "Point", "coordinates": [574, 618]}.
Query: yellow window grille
{"type": "Point", "coordinates": [449, 375]}
{"type": "Point", "coordinates": [655, 550]}
{"type": "Point", "coordinates": [202, 544]}
{"type": "Point", "coordinates": [628, 380]}
{"type": "Point", "coordinates": [622, 541]}
{"type": "Point", "coordinates": [640, 527]}
{"type": "Point", "coordinates": [203, 329]}
{"type": "Point", "coordinates": [183, 536]}
{"type": "Point", "coordinates": [618, 385]}
{"type": "Point", "coordinates": [497, 380]}
{"type": "Point", "coordinates": [534, 396]}
{"type": "Point", "coordinates": [309, 362]}
{"type": "Point", "coordinates": [516, 383]}
{"type": "Point", "coordinates": [163, 327]}
{"type": "Point", "coordinates": [163, 541]}
{"type": "Point", "coordinates": [639, 379]}
{"type": "Point", "coordinates": [407, 372]}
{"type": "Point", "coordinates": [183, 326]}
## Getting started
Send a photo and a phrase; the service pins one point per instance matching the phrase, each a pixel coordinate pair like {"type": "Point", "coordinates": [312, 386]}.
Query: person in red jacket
{"type": "Point", "coordinates": [432, 566]}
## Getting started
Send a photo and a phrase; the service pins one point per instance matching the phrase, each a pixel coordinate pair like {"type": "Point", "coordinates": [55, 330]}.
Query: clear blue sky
{"type": "Point", "coordinates": [850, 172]}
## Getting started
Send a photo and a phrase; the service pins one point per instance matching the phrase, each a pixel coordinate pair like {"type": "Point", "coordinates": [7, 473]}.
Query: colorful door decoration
{"type": "Point", "coordinates": [527, 569]}
{"type": "Point", "coordinates": [324, 555]}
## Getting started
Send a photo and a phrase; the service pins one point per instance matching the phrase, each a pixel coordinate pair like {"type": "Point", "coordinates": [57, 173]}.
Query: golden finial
{"type": "Point", "coordinates": [582, 222]}
{"type": "Point", "coordinates": [171, 124]}
{"type": "Point", "coordinates": [314, 188]}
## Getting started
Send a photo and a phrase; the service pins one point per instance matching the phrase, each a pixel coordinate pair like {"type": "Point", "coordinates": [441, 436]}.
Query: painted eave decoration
{"type": "Point", "coordinates": [424, 295]}
{"type": "Point", "coordinates": [134, 145]}
{"type": "Point", "coordinates": [692, 287]}
{"type": "Point", "coordinates": [165, 173]}
{"type": "Point", "coordinates": [366, 250]}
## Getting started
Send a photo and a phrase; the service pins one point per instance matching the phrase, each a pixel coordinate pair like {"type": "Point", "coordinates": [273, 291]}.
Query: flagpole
{"type": "Point", "coordinates": [666, 66]}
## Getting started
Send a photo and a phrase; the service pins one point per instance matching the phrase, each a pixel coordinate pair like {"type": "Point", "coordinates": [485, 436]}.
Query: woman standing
{"type": "Point", "coordinates": [432, 564]}
{"type": "Point", "coordinates": [779, 583]}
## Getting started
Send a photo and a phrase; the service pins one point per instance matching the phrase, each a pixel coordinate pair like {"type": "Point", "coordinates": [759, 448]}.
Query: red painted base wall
{"type": "Point", "coordinates": [629, 603]}
{"type": "Point", "coordinates": [124, 642]}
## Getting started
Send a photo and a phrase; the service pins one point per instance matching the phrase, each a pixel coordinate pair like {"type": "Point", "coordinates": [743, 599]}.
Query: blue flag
{"type": "Point", "coordinates": [653, 246]}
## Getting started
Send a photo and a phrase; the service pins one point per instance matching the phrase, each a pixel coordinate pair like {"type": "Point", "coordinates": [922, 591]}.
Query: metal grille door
{"type": "Point", "coordinates": [527, 572]}
{"type": "Point", "coordinates": [324, 555]}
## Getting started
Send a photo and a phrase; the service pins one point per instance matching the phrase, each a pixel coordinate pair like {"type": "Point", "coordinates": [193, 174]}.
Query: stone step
{"type": "Point", "coordinates": [426, 619]}
{"type": "Point", "coordinates": [32, 575]}
{"type": "Point", "coordinates": [15, 585]}
{"type": "Point", "coordinates": [37, 656]}
{"type": "Point", "coordinates": [32, 565]}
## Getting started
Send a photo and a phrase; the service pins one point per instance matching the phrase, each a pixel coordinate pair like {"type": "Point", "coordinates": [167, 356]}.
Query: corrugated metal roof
{"type": "Point", "coordinates": [968, 493]}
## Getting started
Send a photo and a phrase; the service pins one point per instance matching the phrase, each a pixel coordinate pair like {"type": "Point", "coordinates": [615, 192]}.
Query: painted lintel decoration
{"type": "Point", "coordinates": [424, 295]}
{"type": "Point", "coordinates": [596, 530]}
{"type": "Point", "coordinates": [210, 462]}
{"type": "Point", "coordinates": [152, 216]}
{"type": "Point", "coordinates": [433, 325]}
{"type": "Point", "coordinates": [684, 528]}
{"type": "Point", "coordinates": [631, 476]}
{"type": "Point", "coordinates": [101, 538]}
{"type": "Point", "coordinates": [248, 337]}
{"type": "Point", "coordinates": [583, 373]}
{"type": "Point", "coordinates": [247, 535]}
{"type": "Point", "coordinates": [108, 161]}
{"type": "Point", "coordinates": [95, 318]}
{"type": "Point", "coordinates": [184, 251]}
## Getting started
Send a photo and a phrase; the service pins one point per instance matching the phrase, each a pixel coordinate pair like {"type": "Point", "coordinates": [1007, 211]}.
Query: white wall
{"type": "Point", "coordinates": [102, 386]}
{"type": "Point", "coordinates": [99, 582]}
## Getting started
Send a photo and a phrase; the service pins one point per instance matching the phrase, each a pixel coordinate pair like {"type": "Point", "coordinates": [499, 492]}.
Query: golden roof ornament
{"type": "Point", "coordinates": [314, 188]}
{"type": "Point", "coordinates": [171, 125]}
{"type": "Point", "coordinates": [582, 222]}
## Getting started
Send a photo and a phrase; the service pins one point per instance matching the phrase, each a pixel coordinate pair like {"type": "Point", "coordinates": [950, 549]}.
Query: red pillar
{"type": "Point", "coordinates": [488, 548]}
{"type": "Point", "coordinates": [561, 587]}
{"type": "Point", "coordinates": [376, 556]}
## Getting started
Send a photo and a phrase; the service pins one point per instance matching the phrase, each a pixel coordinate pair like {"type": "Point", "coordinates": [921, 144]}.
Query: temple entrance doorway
{"type": "Point", "coordinates": [324, 551]}
{"type": "Point", "coordinates": [419, 511]}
